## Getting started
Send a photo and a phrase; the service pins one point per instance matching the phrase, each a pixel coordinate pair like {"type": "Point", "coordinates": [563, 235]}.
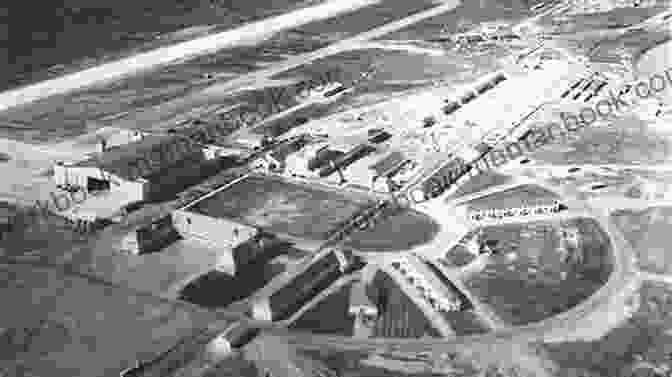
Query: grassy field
{"type": "Point", "coordinates": [366, 19]}
{"type": "Point", "coordinates": [37, 234]}
{"type": "Point", "coordinates": [468, 11]}
{"type": "Point", "coordinates": [627, 141]}
{"type": "Point", "coordinates": [311, 213]}
{"type": "Point", "coordinates": [532, 275]}
{"type": "Point", "coordinates": [646, 335]}
{"type": "Point", "coordinates": [281, 207]}
{"type": "Point", "coordinates": [647, 232]}
{"type": "Point", "coordinates": [481, 182]}
{"type": "Point", "coordinates": [330, 316]}
{"type": "Point", "coordinates": [37, 121]}
{"type": "Point", "coordinates": [397, 232]}
{"type": "Point", "coordinates": [615, 18]}
{"type": "Point", "coordinates": [216, 289]}
{"type": "Point", "coordinates": [586, 181]}
{"type": "Point", "coordinates": [65, 325]}
{"type": "Point", "coordinates": [115, 31]}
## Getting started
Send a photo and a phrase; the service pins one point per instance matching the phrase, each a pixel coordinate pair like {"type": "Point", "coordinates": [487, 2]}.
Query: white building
{"type": "Point", "coordinates": [138, 171]}
{"type": "Point", "coordinates": [296, 164]}
{"type": "Point", "coordinates": [523, 211]}
{"type": "Point", "coordinates": [216, 232]}
{"type": "Point", "coordinates": [385, 171]}
{"type": "Point", "coordinates": [502, 106]}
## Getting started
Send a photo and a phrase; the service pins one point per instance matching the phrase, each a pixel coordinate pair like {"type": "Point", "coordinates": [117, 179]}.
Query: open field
{"type": "Point", "coordinates": [647, 231]}
{"type": "Point", "coordinates": [366, 18]}
{"type": "Point", "coordinates": [50, 240]}
{"type": "Point", "coordinates": [80, 111]}
{"type": "Point", "coordinates": [216, 289]}
{"type": "Point", "coordinates": [613, 19]}
{"type": "Point", "coordinates": [534, 274]}
{"type": "Point", "coordinates": [645, 337]}
{"type": "Point", "coordinates": [594, 184]}
{"type": "Point", "coordinates": [481, 182]}
{"type": "Point", "coordinates": [469, 12]}
{"type": "Point", "coordinates": [69, 326]}
{"type": "Point", "coordinates": [37, 233]}
{"type": "Point", "coordinates": [398, 232]}
{"type": "Point", "coordinates": [279, 206]}
{"type": "Point", "coordinates": [114, 31]}
{"type": "Point", "coordinates": [390, 62]}
{"type": "Point", "coordinates": [628, 140]}
{"type": "Point", "coordinates": [311, 213]}
{"type": "Point", "coordinates": [330, 316]}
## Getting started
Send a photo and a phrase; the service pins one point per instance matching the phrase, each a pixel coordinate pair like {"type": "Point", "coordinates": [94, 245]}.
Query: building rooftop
{"type": "Point", "coordinates": [507, 103]}
{"type": "Point", "coordinates": [104, 205]}
{"type": "Point", "coordinates": [388, 163]}
{"type": "Point", "coordinates": [400, 317]}
{"type": "Point", "coordinates": [122, 160]}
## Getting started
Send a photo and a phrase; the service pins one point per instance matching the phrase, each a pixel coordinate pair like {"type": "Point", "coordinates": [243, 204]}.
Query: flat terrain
{"type": "Point", "coordinates": [627, 140]}
{"type": "Point", "coordinates": [64, 325]}
{"type": "Point", "coordinates": [645, 336]}
{"type": "Point", "coordinates": [481, 182]}
{"type": "Point", "coordinates": [216, 289]}
{"type": "Point", "coordinates": [280, 206]}
{"type": "Point", "coordinates": [330, 316]}
{"type": "Point", "coordinates": [36, 122]}
{"type": "Point", "coordinates": [648, 232]}
{"type": "Point", "coordinates": [114, 31]}
{"type": "Point", "coordinates": [533, 274]}
{"type": "Point", "coordinates": [61, 323]}
{"type": "Point", "coordinates": [398, 232]}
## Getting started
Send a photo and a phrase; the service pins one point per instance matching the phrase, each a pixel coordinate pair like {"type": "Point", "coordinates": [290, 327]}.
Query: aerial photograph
{"type": "Point", "coordinates": [336, 188]}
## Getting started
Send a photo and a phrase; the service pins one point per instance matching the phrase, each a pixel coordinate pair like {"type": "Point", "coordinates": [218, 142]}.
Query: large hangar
{"type": "Point", "coordinates": [148, 169]}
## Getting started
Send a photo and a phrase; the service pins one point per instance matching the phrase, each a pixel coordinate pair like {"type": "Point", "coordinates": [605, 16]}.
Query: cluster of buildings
{"type": "Point", "coordinates": [596, 6]}
{"type": "Point", "coordinates": [368, 166]}
{"type": "Point", "coordinates": [130, 168]}
{"type": "Point", "coordinates": [484, 35]}
{"type": "Point", "coordinates": [291, 297]}
{"type": "Point", "coordinates": [523, 211]}
{"type": "Point", "coordinates": [441, 301]}
{"type": "Point", "coordinates": [585, 88]}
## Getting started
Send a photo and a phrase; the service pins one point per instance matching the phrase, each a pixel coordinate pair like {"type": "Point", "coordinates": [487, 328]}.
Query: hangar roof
{"type": "Point", "coordinates": [123, 161]}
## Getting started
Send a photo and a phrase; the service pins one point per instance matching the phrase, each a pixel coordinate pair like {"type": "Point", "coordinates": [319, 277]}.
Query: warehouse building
{"type": "Point", "coordinates": [399, 316]}
{"type": "Point", "coordinates": [507, 104]}
{"type": "Point", "coordinates": [150, 238]}
{"type": "Point", "coordinates": [213, 231]}
{"type": "Point", "coordinates": [150, 169]}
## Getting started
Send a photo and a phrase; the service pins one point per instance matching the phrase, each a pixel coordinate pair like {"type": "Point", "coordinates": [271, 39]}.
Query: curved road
{"type": "Point", "coordinates": [623, 279]}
